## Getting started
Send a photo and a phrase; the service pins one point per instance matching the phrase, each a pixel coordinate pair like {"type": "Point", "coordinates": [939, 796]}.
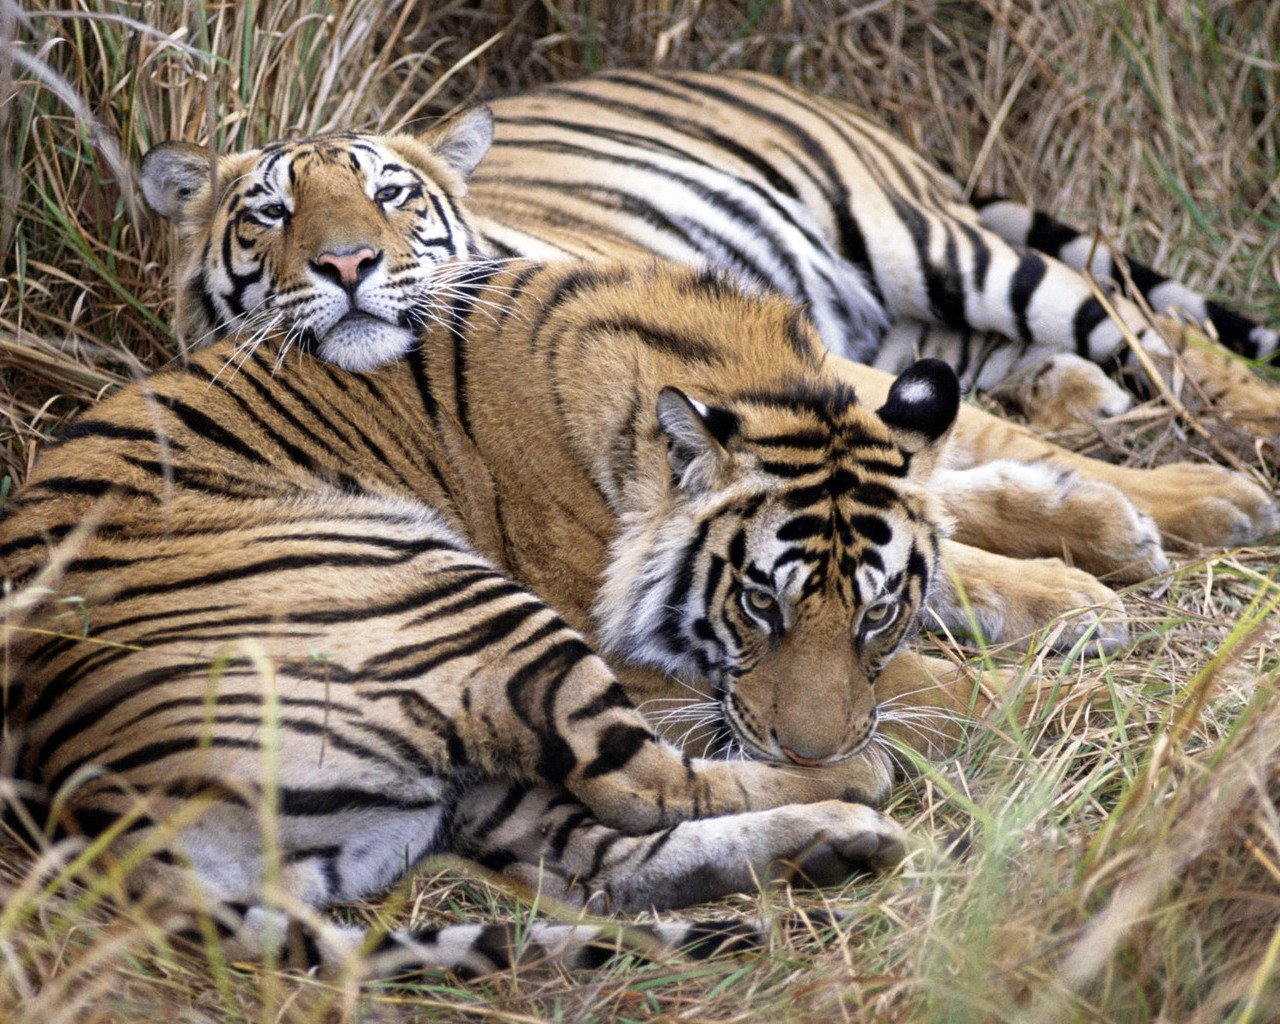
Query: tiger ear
{"type": "Point", "coordinates": [462, 140]}
{"type": "Point", "coordinates": [921, 409]}
{"type": "Point", "coordinates": [172, 175]}
{"type": "Point", "coordinates": [696, 435]}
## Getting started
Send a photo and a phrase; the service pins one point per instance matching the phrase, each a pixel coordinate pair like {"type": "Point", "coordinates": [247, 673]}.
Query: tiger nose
{"type": "Point", "coordinates": [349, 267]}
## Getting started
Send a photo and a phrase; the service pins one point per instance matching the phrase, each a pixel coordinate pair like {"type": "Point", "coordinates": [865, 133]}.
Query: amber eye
{"type": "Point", "coordinates": [762, 606]}
{"type": "Point", "coordinates": [274, 211]}
{"type": "Point", "coordinates": [388, 193]}
{"type": "Point", "coordinates": [876, 613]}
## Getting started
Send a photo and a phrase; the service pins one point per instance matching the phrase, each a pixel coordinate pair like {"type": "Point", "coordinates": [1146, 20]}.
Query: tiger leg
{"type": "Point", "coordinates": [1064, 389]}
{"type": "Point", "coordinates": [1014, 600]}
{"type": "Point", "coordinates": [1053, 389]}
{"type": "Point", "coordinates": [546, 839]}
{"type": "Point", "coordinates": [1057, 389]}
{"type": "Point", "coordinates": [1027, 305]}
{"type": "Point", "coordinates": [1188, 502]}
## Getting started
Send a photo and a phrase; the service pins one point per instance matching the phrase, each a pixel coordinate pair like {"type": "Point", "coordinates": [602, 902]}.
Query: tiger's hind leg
{"type": "Point", "coordinates": [301, 940]}
{"type": "Point", "coordinates": [1220, 383]}
{"type": "Point", "coordinates": [551, 842]}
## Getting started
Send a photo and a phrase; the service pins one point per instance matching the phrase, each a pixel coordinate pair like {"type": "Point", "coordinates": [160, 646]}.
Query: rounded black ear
{"type": "Point", "coordinates": [922, 404]}
{"type": "Point", "coordinates": [172, 175]}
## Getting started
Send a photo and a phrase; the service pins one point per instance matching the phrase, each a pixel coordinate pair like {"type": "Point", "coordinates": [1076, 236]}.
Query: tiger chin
{"type": "Point", "coordinates": [405, 608]}
{"type": "Point", "coordinates": [346, 243]}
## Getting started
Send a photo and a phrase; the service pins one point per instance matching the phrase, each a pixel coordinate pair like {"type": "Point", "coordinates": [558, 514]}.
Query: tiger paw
{"type": "Point", "coordinates": [1062, 391]}
{"type": "Point", "coordinates": [1226, 386]}
{"type": "Point", "coordinates": [1203, 504]}
{"type": "Point", "coordinates": [825, 844]}
{"type": "Point", "coordinates": [1014, 599]}
{"type": "Point", "coordinates": [1037, 509]}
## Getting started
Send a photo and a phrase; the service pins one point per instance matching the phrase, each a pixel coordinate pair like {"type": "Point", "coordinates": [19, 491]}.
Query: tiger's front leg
{"type": "Point", "coordinates": [544, 838]}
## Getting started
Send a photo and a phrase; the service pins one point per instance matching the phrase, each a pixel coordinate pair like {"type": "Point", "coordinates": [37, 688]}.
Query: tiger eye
{"type": "Point", "coordinates": [876, 613]}
{"type": "Point", "coordinates": [760, 601]}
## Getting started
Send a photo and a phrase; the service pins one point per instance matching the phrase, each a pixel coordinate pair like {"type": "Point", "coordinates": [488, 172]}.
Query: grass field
{"type": "Point", "coordinates": [1119, 862]}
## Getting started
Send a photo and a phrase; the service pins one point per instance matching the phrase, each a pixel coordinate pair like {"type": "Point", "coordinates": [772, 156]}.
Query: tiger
{"type": "Point", "coordinates": [804, 195]}
{"type": "Point", "coordinates": [812, 198]}
{"type": "Point", "coordinates": [398, 245]}
{"type": "Point", "coordinates": [347, 601]}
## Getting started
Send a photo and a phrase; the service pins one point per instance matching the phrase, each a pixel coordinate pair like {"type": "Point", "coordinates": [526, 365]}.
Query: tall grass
{"type": "Point", "coordinates": [1120, 862]}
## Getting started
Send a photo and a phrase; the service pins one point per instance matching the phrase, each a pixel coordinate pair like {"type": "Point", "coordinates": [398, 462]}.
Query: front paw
{"type": "Point", "coordinates": [1037, 509]}
{"type": "Point", "coordinates": [1206, 505]}
{"type": "Point", "coordinates": [1017, 599]}
{"type": "Point", "coordinates": [827, 843]}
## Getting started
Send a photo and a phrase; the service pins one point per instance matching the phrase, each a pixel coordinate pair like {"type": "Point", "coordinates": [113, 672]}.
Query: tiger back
{"type": "Point", "coordinates": [811, 197]}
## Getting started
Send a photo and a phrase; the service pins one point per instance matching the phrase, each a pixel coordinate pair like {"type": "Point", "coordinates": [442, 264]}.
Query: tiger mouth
{"type": "Point", "coordinates": [360, 341]}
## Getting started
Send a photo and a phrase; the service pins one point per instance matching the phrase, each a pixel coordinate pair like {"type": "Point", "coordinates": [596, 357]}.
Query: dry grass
{"type": "Point", "coordinates": [1122, 864]}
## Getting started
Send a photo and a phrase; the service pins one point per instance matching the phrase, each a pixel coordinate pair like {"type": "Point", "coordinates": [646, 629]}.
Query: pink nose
{"type": "Point", "coordinates": [349, 267]}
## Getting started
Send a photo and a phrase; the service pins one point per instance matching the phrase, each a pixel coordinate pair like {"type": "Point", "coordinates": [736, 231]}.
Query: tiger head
{"type": "Point", "coordinates": [786, 561]}
{"type": "Point", "coordinates": [335, 241]}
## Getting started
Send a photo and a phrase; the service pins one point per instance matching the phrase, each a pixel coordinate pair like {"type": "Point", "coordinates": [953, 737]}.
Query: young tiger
{"type": "Point", "coordinates": [347, 597]}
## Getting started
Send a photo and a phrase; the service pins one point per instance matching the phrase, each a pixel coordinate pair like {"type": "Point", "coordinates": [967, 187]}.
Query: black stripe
{"type": "Point", "coordinates": [1026, 279]}
{"type": "Point", "coordinates": [203, 425]}
{"type": "Point", "coordinates": [116, 431]}
{"type": "Point", "coordinates": [283, 563]}
{"type": "Point", "coordinates": [619, 744]}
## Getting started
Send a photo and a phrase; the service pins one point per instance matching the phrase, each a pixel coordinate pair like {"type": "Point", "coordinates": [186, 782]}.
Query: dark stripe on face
{"type": "Point", "coordinates": [681, 584]}
{"type": "Point", "coordinates": [465, 292]}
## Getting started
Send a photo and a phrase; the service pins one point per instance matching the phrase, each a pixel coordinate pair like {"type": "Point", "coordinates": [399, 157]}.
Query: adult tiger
{"type": "Point", "coordinates": [241, 279]}
{"type": "Point", "coordinates": [346, 597]}
{"type": "Point", "coordinates": [315, 224]}
{"type": "Point", "coordinates": [814, 199]}
{"type": "Point", "coordinates": [739, 171]}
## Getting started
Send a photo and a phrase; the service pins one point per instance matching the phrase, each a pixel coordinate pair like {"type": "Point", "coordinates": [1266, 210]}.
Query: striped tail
{"type": "Point", "coordinates": [1020, 224]}
{"type": "Point", "coordinates": [467, 951]}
